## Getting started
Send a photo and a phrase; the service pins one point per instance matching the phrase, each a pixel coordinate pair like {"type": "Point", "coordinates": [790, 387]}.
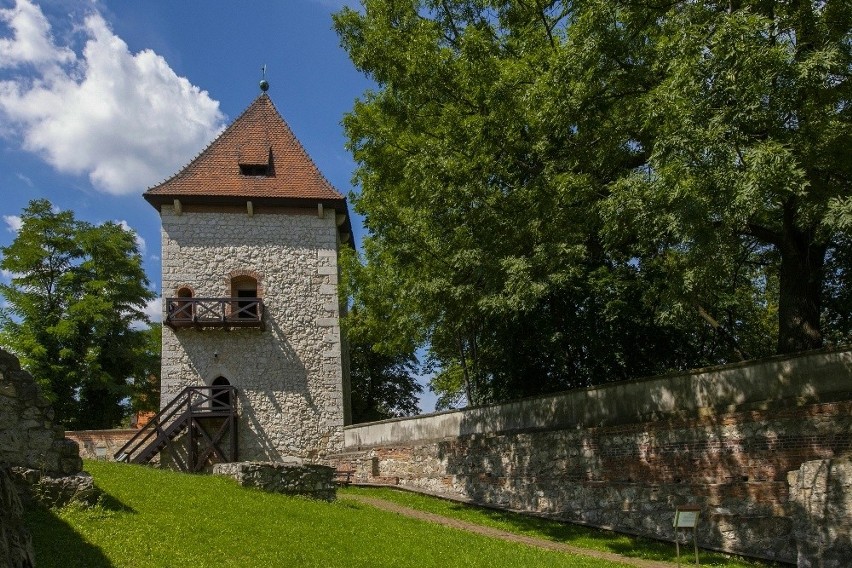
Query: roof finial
{"type": "Point", "coordinates": [264, 84]}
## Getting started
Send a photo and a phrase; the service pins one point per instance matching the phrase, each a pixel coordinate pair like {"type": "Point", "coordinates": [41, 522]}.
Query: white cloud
{"type": "Point", "coordinates": [32, 42]}
{"type": "Point", "coordinates": [126, 120]}
{"type": "Point", "coordinates": [25, 179]}
{"type": "Point", "coordinates": [140, 242]}
{"type": "Point", "coordinates": [154, 310]}
{"type": "Point", "coordinates": [13, 223]}
{"type": "Point", "coordinates": [6, 275]}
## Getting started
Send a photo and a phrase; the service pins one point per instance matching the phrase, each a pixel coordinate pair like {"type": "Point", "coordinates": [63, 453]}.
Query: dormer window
{"type": "Point", "coordinates": [255, 170]}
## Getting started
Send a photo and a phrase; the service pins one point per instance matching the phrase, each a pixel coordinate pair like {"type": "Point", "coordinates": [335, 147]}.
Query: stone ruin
{"type": "Point", "coordinates": [289, 476]}
{"type": "Point", "coordinates": [37, 462]}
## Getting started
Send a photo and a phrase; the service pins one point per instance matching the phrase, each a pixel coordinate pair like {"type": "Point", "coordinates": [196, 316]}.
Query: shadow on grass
{"type": "Point", "coordinates": [58, 545]}
{"type": "Point", "coordinates": [110, 503]}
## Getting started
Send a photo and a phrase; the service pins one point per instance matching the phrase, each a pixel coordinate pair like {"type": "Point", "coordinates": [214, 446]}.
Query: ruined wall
{"type": "Point", "coordinates": [28, 436]}
{"type": "Point", "coordinates": [624, 456]}
{"type": "Point", "coordinates": [289, 377]}
{"type": "Point", "coordinates": [32, 449]}
{"type": "Point", "coordinates": [290, 477]}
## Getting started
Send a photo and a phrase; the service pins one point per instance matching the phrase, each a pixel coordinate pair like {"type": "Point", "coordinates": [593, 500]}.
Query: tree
{"type": "Point", "coordinates": [566, 193]}
{"type": "Point", "coordinates": [145, 395]}
{"type": "Point", "coordinates": [382, 366]}
{"type": "Point", "coordinates": [75, 293]}
{"type": "Point", "coordinates": [383, 386]}
{"type": "Point", "coordinates": [748, 126]}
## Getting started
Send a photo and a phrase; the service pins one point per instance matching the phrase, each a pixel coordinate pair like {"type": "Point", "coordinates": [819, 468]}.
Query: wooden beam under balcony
{"type": "Point", "coordinates": [216, 313]}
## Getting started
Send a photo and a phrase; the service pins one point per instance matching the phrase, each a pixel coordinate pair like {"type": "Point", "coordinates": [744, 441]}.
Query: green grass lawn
{"type": "Point", "coordinates": [575, 535]}
{"type": "Point", "coordinates": [158, 518]}
{"type": "Point", "coordinates": [154, 518]}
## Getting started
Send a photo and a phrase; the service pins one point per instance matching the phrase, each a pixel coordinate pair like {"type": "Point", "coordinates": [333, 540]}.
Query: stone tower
{"type": "Point", "coordinates": [250, 237]}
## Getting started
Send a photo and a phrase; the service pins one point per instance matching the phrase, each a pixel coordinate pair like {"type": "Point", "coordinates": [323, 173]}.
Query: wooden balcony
{"type": "Point", "coordinates": [222, 313]}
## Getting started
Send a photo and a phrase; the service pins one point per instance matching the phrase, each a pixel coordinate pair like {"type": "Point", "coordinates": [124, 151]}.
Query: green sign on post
{"type": "Point", "coordinates": [686, 517]}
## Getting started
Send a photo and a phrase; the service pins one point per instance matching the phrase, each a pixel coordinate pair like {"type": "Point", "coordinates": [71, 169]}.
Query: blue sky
{"type": "Point", "coordinates": [100, 100]}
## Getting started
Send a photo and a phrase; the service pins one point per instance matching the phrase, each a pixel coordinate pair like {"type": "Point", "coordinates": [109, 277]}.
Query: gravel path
{"type": "Point", "coordinates": [504, 535]}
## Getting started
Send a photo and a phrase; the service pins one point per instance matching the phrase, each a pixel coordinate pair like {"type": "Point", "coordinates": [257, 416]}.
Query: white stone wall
{"type": "Point", "coordinates": [289, 377]}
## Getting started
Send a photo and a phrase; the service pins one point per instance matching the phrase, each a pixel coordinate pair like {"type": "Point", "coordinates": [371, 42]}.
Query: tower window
{"type": "Point", "coordinates": [254, 170]}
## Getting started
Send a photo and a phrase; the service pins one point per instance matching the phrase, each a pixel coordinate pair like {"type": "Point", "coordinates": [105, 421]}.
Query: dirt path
{"type": "Point", "coordinates": [504, 535]}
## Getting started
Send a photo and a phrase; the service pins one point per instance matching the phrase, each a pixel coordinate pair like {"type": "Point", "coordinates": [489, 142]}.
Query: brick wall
{"type": "Point", "coordinates": [629, 471]}
{"type": "Point", "coordinates": [100, 444]}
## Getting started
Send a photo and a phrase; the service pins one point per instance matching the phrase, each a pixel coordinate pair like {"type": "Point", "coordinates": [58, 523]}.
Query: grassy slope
{"type": "Point", "coordinates": [561, 532]}
{"type": "Point", "coordinates": [158, 518]}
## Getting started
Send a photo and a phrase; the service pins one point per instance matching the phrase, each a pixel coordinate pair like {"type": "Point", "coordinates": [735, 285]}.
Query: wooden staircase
{"type": "Point", "coordinates": [206, 416]}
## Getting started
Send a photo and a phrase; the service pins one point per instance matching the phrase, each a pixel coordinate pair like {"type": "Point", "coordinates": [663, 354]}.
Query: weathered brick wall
{"type": "Point", "coordinates": [289, 377]}
{"type": "Point", "coordinates": [100, 444]}
{"type": "Point", "coordinates": [630, 472]}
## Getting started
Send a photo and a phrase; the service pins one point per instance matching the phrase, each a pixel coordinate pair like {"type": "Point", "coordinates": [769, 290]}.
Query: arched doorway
{"type": "Point", "coordinates": [221, 396]}
{"type": "Point", "coordinates": [183, 309]}
{"type": "Point", "coordinates": [245, 287]}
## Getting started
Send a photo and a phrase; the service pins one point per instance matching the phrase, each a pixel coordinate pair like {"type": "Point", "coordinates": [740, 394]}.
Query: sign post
{"type": "Point", "coordinates": [686, 517]}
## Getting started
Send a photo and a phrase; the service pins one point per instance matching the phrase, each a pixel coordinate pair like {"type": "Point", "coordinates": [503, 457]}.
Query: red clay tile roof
{"type": "Point", "coordinates": [258, 136]}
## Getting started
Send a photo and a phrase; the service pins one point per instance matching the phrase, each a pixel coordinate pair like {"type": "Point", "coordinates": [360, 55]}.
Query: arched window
{"type": "Point", "coordinates": [182, 309]}
{"type": "Point", "coordinates": [245, 287]}
{"type": "Point", "coordinates": [221, 397]}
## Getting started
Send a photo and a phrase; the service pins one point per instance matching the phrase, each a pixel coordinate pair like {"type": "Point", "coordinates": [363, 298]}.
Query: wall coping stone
{"type": "Point", "coordinates": [823, 375]}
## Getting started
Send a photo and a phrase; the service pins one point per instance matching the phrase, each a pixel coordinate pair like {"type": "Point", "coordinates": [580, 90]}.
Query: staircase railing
{"type": "Point", "coordinates": [185, 412]}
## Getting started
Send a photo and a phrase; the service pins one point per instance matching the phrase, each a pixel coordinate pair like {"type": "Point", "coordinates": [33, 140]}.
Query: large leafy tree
{"type": "Point", "coordinates": [76, 291]}
{"type": "Point", "coordinates": [746, 126]}
{"type": "Point", "coordinates": [565, 193]}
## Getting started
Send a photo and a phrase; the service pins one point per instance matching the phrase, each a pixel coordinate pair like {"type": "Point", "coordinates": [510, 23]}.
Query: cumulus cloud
{"type": "Point", "coordinates": [126, 120]}
{"type": "Point", "coordinates": [13, 223]}
{"type": "Point", "coordinates": [32, 42]}
{"type": "Point", "coordinates": [154, 310]}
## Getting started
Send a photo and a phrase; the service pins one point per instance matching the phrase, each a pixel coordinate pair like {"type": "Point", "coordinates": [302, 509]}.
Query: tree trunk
{"type": "Point", "coordinates": [801, 278]}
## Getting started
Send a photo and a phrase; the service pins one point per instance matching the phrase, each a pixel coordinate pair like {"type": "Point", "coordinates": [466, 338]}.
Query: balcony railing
{"type": "Point", "coordinates": [214, 312]}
